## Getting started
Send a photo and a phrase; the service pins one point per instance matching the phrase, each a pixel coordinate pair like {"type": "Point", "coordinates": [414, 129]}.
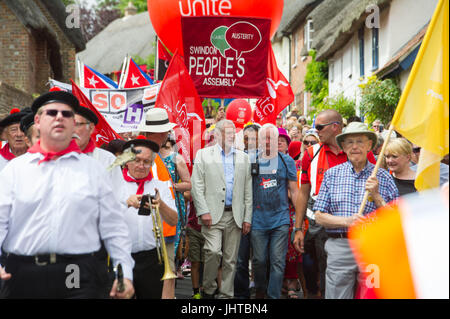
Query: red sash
{"type": "Point", "coordinates": [5, 152]}
{"type": "Point", "coordinates": [48, 156]}
{"type": "Point", "coordinates": [90, 147]}
{"type": "Point", "coordinates": [140, 182]}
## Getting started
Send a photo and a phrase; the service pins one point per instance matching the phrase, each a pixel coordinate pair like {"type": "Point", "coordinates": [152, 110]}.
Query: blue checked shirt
{"type": "Point", "coordinates": [342, 191]}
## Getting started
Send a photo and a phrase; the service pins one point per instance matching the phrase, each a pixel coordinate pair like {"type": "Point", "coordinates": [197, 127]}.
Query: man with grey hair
{"type": "Point", "coordinates": [273, 177]}
{"type": "Point", "coordinates": [222, 194]}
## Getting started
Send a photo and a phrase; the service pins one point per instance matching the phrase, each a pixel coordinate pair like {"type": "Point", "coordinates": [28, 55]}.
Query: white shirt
{"type": "Point", "coordinates": [3, 162]}
{"type": "Point", "coordinates": [141, 227]}
{"type": "Point", "coordinates": [116, 178]}
{"type": "Point", "coordinates": [64, 206]}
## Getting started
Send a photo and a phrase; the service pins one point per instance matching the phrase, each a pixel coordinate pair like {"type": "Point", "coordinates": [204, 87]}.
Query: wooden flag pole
{"type": "Point", "coordinates": [375, 170]}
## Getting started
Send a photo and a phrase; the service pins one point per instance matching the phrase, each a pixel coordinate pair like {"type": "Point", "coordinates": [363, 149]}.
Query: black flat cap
{"type": "Point", "coordinates": [56, 97]}
{"type": "Point", "coordinates": [27, 121]}
{"type": "Point", "coordinates": [87, 114]}
{"type": "Point", "coordinates": [15, 117]}
{"type": "Point", "coordinates": [141, 142]}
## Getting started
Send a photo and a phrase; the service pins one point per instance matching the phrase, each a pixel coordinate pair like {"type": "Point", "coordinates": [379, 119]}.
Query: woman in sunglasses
{"type": "Point", "coordinates": [311, 138]}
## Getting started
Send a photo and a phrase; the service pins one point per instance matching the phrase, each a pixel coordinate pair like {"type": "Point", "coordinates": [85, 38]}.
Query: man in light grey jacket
{"type": "Point", "coordinates": [222, 193]}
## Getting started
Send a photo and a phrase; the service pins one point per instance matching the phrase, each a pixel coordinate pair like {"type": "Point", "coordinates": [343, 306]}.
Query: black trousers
{"type": "Point", "coordinates": [83, 278]}
{"type": "Point", "coordinates": [147, 274]}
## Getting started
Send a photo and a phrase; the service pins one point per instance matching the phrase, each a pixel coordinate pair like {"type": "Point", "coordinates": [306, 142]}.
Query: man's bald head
{"type": "Point", "coordinates": [331, 116]}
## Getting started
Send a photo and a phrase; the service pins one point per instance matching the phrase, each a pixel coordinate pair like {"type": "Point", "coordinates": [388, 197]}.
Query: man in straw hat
{"type": "Point", "coordinates": [339, 199]}
{"type": "Point", "coordinates": [55, 208]}
{"type": "Point", "coordinates": [156, 127]}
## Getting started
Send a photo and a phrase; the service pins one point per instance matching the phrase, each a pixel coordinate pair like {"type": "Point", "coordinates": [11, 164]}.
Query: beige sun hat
{"type": "Point", "coordinates": [356, 128]}
{"type": "Point", "coordinates": [156, 120]}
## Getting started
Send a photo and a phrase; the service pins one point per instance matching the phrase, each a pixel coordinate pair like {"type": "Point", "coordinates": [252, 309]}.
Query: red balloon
{"type": "Point", "coordinates": [165, 15]}
{"type": "Point", "coordinates": [239, 111]}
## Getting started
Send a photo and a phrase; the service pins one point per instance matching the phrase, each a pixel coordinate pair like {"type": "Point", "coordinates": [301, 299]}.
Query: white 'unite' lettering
{"type": "Point", "coordinates": [205, 7]}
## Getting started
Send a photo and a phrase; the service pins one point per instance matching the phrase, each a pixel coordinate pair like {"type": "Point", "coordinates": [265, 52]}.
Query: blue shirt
{"type": "Point", "coordinates": [342, 191]}
{"type": "Point", "coordinates": [270, 192]}
{"type": "Point", "coordinates": [228, 167]}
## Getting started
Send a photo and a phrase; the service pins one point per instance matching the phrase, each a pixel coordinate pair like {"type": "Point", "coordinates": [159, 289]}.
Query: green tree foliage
{"type": "Point", "coordinates": [316, 80]}
{"type": "Point", "coordinates": [149, 60]}
{"type": "Point", "coordinates": [379, 99]}
{"type": "Point", "coordinates": [345, 106]}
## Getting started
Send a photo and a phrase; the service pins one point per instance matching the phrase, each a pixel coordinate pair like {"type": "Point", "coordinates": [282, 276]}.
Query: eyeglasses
{"type": "Point", "coordinates": [309, 142]}
{"type": "Point", "coordinates": [145, 163]}
{"type": "Point", "coordinates": [320, 127]}
{"type": "Point", "coordinates": [416, 149]}
{"type": "Point", "coordinates": [54, 113]}
{"type": "Point", "coordinates": [81, 123]}
{"type": "Point", "coordinates": [357, 142]}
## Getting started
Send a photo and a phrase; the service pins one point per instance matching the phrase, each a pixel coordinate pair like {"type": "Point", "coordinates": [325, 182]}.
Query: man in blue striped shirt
{"type": "Point", "coordinates": [337, 205]}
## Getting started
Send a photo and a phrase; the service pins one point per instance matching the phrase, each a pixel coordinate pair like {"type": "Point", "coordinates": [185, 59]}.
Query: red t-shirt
{"type": "Point", "coordinates": [333, 160]}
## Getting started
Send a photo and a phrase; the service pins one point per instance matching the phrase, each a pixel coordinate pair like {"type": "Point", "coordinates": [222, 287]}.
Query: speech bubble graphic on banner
{"type": "Point", "coordinates": [243, 37]}
{"type": "Point", "coordinates": [218, 39]}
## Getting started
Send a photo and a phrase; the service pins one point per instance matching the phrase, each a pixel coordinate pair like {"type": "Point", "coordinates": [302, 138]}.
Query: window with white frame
{"type": "Point", "coordinates": [308, 34]}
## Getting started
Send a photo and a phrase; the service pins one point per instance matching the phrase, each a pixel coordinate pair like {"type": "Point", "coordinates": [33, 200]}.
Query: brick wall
{"type": "Point", "coordinates": [15, 51]}
{"type": "Point", "coordinates": [67, 48]}
{"type": "Point", "coordinates": [11, 97]}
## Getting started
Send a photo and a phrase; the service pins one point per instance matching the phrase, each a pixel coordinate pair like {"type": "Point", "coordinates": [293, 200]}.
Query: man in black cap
{"type": "Point", "coordinates": [55, 209]}
{"type": "Point", "coordinates": [31, 132]}
{"type": "Point", "coordinates": [140, 181]}
{"type": "Point", "coordinates": [16, 145]}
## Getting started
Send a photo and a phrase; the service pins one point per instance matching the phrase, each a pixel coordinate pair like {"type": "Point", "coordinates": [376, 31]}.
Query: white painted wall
{"type": "Point", "coordinates": [281, 50]}
{"type": "Point", "coordinates": [399, 23]}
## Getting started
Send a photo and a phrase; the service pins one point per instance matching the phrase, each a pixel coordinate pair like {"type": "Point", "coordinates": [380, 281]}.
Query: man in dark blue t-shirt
{"type": "Point", "coordinates": [275, 176]}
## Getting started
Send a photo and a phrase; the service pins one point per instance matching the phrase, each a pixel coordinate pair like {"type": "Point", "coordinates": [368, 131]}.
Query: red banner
{"type": "Point", "coordinates": [181, 101]}
{"type": "Point", "coordinates": [227, 56]}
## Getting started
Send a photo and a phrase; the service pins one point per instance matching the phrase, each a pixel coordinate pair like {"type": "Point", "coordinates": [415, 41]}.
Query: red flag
{"type": "Point", "coordinates": [134, 76]}
{"type": "Point", "coordinates": [278, 94]}
{"type": "Point", "coordinates": [179, 98]}
{"type": "Point", "coordinates": [103, 133]}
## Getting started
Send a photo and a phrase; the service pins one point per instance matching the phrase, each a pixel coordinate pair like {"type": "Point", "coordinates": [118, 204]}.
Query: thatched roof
{"type": "Point", "coordinates": [31, 16]}
{"type": "Point", "coordinates": [133, 35]}
{"type": "Point", "coordinates": [336, 21]}
{"type": "Point", "coordinates": [294, 12]}
{"type": "Point", "coordinates": [58, 12]}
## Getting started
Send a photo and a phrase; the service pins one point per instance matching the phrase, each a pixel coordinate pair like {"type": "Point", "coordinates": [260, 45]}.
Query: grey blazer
{"type": "Point", "coordinates": [208, 185]}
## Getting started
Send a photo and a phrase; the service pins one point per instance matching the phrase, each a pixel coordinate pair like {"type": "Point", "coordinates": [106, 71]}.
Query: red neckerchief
{"type": "Point", "coordinates": [90, 147]}
{"type": "Point", "coordinates": [6, 153]}
{"type": "Point", "coordinates": [140, 182]}
{"type": "Point", "coordinates": [48, 156]}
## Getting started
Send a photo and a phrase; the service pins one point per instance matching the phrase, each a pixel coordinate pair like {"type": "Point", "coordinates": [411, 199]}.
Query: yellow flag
{"type": "Point", "coordinates": [422, 112]}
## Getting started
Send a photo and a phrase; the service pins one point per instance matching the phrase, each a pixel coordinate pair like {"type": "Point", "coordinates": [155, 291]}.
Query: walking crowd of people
{"type": "Point", "coordinates": [265, 221]}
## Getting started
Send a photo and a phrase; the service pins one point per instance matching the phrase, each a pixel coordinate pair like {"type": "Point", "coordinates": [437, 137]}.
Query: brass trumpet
{"type": "Point", "coordinates": [161, 244]}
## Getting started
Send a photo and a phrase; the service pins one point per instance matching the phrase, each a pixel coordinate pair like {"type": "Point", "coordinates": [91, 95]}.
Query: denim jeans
{"type": "Point", "coordinates": [269, 245]}
{"type": "Point", "coordinates": [242, 277]}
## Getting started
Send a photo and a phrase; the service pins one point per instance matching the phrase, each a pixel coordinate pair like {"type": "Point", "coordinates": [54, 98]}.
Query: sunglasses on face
{"type": "Point", "coordinates": [54, 113]}
{"type": "Point", "coordinates": [416, 149]}
{"type": "Point", "coordinates": [309, 142]}
{"type": "Point", "coordinates": [320, 127]}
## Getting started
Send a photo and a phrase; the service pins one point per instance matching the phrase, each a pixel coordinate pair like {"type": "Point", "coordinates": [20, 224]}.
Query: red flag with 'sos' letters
{"type": "Point", "coordinates": [179, 98]}
{"type": "Point", "coordinates": [278, 94]}
{"type": "Point", "coordinates": [103, 133]}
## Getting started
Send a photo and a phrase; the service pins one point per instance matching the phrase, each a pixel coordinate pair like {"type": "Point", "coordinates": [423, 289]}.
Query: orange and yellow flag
{"type": "Point", "coordinates": [422, 112]}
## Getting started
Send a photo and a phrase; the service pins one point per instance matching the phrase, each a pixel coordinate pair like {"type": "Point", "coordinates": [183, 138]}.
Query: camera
{"type": "Point", "coordinates": [380, 128]}
{"type": "Point", "coordinates": [254, 168]}
{"type": "Point", "coordinates": [143, 211]}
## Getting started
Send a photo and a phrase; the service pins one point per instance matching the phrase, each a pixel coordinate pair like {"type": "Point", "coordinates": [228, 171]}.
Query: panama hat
{"type": "Point", "coordinates": [156, 121]}
{"type": "Point", "coordinates": [356, 128]}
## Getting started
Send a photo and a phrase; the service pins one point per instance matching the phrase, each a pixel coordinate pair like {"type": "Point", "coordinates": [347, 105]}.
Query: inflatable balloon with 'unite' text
{"type": "Point", "coordinates": [165, 15]}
